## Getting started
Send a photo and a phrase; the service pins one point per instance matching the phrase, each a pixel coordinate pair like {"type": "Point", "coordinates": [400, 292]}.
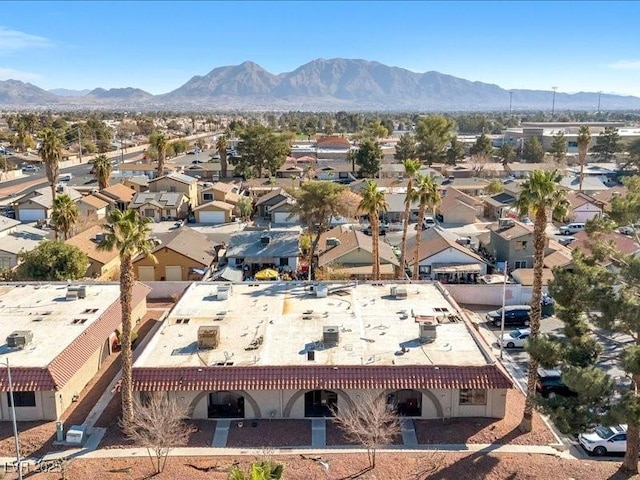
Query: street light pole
{"type": "Point", "coordinates": [13, 419]}
{"type": "Point", "coordinates": [510, 102]}
{"type": "Point", "coordinates": [553, 104]}
{"type": "Point", "coordinates": [504, 300]}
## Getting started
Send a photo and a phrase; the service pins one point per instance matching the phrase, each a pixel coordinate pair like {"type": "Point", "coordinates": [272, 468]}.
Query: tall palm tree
{"type": "Point", "coordinates": [102, 171]}
{"type": "Point", "coordinates": [160, 145]}
{"type": "Point", "coordinates": [539, 196]}
{"type": "Point", "coordinates": [411, 167]}
{"type": "Point", "coordinates": [129, 233]}
{"type": "Point", "coordinates": [584, 137]}
{"type": "Point", "coordinates": [428, 197]}
{"type": "Point", "coordinates": [374, 202]}
{"type": "Point", "coordinates": [221, 145]}
{"type": "Point", "coordinates": [64, 215]}
{"type": "Point", "coordinates": [51, 153]}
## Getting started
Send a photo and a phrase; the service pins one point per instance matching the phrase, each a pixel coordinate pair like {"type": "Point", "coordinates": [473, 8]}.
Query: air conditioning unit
{"type": "Point", "coordinates": [322, 290]}
{"type": "Point", "coordinates": [208, 336]}
{"type": "Point", "coordinates": [224, 292]}
{"type": "Point", "coordinates": [76, 291]}
{"type": "Point", "coordinates": [330, 336]}
{"type": "Point", "coordinates": [77, 434]}
{"type": "Point", "coordinates": [505, 222]}
{"type": "Point", "coordinates": [428, 332]}
{"type": "Point", "coordinates": [19, 338]}
{"type": "Point", "coordinates": [332, 242]}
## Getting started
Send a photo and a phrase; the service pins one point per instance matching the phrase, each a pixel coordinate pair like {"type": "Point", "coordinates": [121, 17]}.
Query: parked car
{"type": "Point", "coordinates": [550, 384]}
{"type": "Point", "coordinates": [198, 161]}
{"type": "Point", "coordinates": [629, 229]}
{"type": "Point", "coordinates": [571, 228]}
{"type": "Point", "coordinates": [29, 169]}
{"type": "Point", "coordinates": [516, 338]}
{"type": "Point", "coordinates": [514, 316]}
{"type": "Point", "coordinates": [527, 221]}
{"type": "Point", "coordinates": [566, 240]}
{"type": "Point", "coordinates": [382, 229]}
{"type": "Point", "coordinates": [65, 177]}
{"type": "Point", "coordinates": [605, 440]}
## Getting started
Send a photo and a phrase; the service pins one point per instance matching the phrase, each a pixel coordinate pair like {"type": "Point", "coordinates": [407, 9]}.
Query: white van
{"type": "Point", "coordinates": [65, 177]}
{"type": "Point", "coordinates": [571, 228]}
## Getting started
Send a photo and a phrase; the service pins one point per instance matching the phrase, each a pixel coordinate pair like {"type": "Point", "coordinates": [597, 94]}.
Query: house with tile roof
{"type": "Point", "coordinates": [180, 255]}
{"type": "Point", "coordinates": [303, 352]}
{"type": "Point", "coordinates": [459, 208]}
{"type": "Point", "coordinates": [91, 206]}
{"type": "Point", "coordinates": [264, 248]}
{"type": "Point", "coordinates": [333, 142]}
{"type": "Point", "coordinates": [441, 257]}
{"type": "Point", "coordinates": [583, 207]}
{"type": "Point", "coordinates": [348, 254]}
{"type": "Point", "coordinates": [58, 337]}
{"type": "Point", "coordinates": [38, 204]}
{"type": "Point", "coordinates": [119, 194]}
{"type": "Point", "coordinates": [161, 205]}
{"type": "Point", "coordinates": [104, 265]}
{"type": "Point", "coordinates": [19, 239]}
{"type": "Point", "coordinates": [512, 242]}
{"type": "Point", "coordinates": [264, 203]}
{"type": "Point", "coordinates": [177, 183]}
{"type": "Point", "coordinates": [624, 244]}
{"type": "Point", "coordinates": [214, 212]}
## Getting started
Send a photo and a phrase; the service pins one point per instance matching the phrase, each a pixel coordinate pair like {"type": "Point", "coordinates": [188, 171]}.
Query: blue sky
{"type": "Point", "coordinates": [158, 46]}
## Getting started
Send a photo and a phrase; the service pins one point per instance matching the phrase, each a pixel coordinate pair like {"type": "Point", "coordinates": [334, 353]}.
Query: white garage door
{"type": "Point", "coordinates": [30, 214]}
{"type": "Point", "coordinates": [211, 217]}
{"type": "Point", "coordinates": [146, 273]}
{"type": "Point", "coordinates": [173, 273]}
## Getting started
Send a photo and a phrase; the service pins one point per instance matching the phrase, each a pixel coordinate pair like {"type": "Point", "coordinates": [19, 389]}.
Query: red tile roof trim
{"type": "Point", "coordinates": [67, 363]}
{"type": "Point", "coordinates": [318, 377]}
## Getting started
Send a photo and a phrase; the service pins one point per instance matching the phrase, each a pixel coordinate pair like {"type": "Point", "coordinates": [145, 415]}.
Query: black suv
{"type": "Point", "coordinates": [550, 384]}
{"type": "Point", "coordinates": [514, 316]}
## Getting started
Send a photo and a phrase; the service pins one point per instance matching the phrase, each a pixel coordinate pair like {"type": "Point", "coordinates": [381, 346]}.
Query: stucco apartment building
{"type": "Point", "coordinates": [56, 337]}
{"type": "Point", "coordinates": [305, 349]}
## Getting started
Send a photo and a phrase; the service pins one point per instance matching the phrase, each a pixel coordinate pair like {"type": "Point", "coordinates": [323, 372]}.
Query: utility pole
{"type": "Point", "coordinates": [599, 96]}
{"type": "Point", "coordinates": [553, 104]}
{"type": "Point", "coordinates": [510, 102]}
{"type": "Point", "coordinates": [80, 145]}
{"type": "Point", "coordinates": [13, 419]}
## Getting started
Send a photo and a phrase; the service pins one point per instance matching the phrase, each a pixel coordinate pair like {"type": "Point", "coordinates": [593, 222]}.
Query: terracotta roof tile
{"type": "Point", "coordinates": [85, 242]}
{"type": "Point", "coordinates": [94, 201]}
{"type": "Point", "coordinates": [119, 192]}
{"type": "Point", "coordinates": [314, 377]}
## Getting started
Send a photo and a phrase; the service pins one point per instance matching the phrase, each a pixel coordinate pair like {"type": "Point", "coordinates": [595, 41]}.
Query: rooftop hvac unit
{"type": "Point", "coordinates": [224, 292]}
{"type": "Point", "coordinates": [321, 290]}
{"type": "Point", "coordinates": [208, 336]}
{"type": "Point", "coordinates": [332, 242]}
{"type": "Point", "coordinates": [427, 332]}
{"type": "Point", "coordinates": [330, 336]}
{"type": "Point", "coordinates": [99, 237]}
{"type": "Point", "coordinates": [76, 291]}
{"type": "Point", "coordinates": [505, 222]}
{"type": "Point", "coordinates": [19, 338]}
{"type": "Point", "coordinates": [264, 241]}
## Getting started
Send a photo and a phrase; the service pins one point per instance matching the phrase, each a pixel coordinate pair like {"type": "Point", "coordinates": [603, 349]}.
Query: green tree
{"type": "Point", "coordinates": [102, 171]}
{"type": "Point", "coordinates": [533, 151]}
{"type": "Point", "coordinates": [128, 233]}
{"type": "Point", "coordinates": [428, 196]}
{"type": "Point", "coordinates": [433, 134]}
{"type": "Point", "coordinates": [559, 147]}
{"type": "Point", "coordinates": [52, 260]}
{"type": "Point", "coordinates": [607, 144]}
{"type": "Point", "coordinates": [374, 203]}
{"type": "Point", "coordinates": [260, 470]}
{"type": "Point", "coordinates": [539, 196]}
{"type": "Point", "coordinates": [584, 138]}
{"type": "Point", "coordinates": [376, 130]}
{"type": "Point", "coordinates": [455, 151]}
{"type": "Point", "coordinates": [64, 215]}
{"type": "Point", "coordinates": [368, 158]}
{"type": "Point", "coordinates": [51, 153]}
{"type": "Point", "coordinates": [159, 143]}
{"type": "Point", "coordinates": [495, 186]}
{"type": "Point", "coordinates": [633, 159]}
{"type": "Point", "coordinates": [482, 147]}
{"type": "Point", "coordinates": [245, 208]}
{"type": "Point", "coordinates": [261, 149]}
{"type": "Point", "coordinates": [506, 153]}
{"type": "Point", "coordinates": [411, 168]}
{"type": "Point", "coordinates": [405, 148]}
{"type": "Point", "coordinates": [221, 146]}
{"type": "Point", "coordinates": [316, 204]}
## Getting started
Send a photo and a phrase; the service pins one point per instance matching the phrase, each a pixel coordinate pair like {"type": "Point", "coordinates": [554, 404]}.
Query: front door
{"type": "Point", "coordinates": [320, 403]}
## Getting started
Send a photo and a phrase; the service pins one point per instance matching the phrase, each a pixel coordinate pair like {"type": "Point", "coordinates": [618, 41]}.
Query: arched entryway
{"type": "Point", "coordinates": [225, 404]}
{"type": "Point", "coordinates": [408, 403]}
{"type": "Point", "coordinates": [320, 403]}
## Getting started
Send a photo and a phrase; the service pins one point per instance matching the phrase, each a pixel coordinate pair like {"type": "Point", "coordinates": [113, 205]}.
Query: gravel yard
{"type": "Point", "coordinates": [270, 433]}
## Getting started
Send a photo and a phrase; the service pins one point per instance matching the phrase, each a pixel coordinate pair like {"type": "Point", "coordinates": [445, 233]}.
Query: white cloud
{"type": "Point", "coordinates": [13, 40]}
{"type": "Point", "coordinates": [625, 65]}
{"type": "Point", "coordinates": [10, 73]}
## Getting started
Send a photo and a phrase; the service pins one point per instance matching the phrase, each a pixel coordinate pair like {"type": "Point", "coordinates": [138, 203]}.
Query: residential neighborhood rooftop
{"type": "Point", "coordinates": [278, 324]}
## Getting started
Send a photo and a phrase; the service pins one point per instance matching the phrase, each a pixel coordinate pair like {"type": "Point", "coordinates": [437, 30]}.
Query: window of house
{"type": "Point", "coordinates": [239, 260]}
{"type": "Point", "coordinates": [521, 245]}
{"type": "Point", "coordinates": [521, 264]}
{"type": "Point", "coordinates": [473, 396]}
{"type": "Point", "coordinates": [424, 269]}
{"type": "Point", "coordinates": [284, 262]}
{"type": "Point", "coordinates": [148, 212]}
{"type": "Point", "coordinates": [172, 188]}
{"type": "Point", "coordinates": [207, 197]}
{"type": "Point", "coordinates": [22, 399]}
{"type": "Point", "coordinates": [5, 263]}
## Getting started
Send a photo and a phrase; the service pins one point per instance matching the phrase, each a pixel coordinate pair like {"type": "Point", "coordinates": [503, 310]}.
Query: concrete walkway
{"type": "Point", "coordinates": [318, 432]}
{"type": "Point", "coordinates": [409, 437]}
{"type": "Point", "coordinates": [221, 433]}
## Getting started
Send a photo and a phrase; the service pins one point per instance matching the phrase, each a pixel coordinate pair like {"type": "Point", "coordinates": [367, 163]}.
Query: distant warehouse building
{"type": "Point", "coordinates": [292, 350]}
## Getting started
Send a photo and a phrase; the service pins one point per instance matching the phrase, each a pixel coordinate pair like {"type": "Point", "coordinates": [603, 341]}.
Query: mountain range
{"type": "Point", "coordinates": [320, 85]}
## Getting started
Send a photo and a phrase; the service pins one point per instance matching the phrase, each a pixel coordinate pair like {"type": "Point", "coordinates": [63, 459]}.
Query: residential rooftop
{"type": "Point", "coordinates": [54, 321]}
{"type": "Point", "coordinates": [279, 323]}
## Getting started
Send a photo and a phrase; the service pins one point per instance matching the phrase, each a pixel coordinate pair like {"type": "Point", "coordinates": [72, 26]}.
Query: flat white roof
{"type": "Point", "coordinates": [45, 311]}
{"type": "Point", "coordinates": [277, 324]}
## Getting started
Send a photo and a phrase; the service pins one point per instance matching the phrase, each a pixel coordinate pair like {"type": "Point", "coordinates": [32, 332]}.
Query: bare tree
{"type": "Point", "coordinates": [159, 425]}
{"type": "Point", "coordinates": [371, 423]}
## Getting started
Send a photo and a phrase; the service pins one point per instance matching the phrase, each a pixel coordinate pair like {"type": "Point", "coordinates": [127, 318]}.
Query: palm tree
{"type": "Point", "coordinates": [221, 145]}
{"type": "Point", "coordinates": [129, 233]}
{"type": "Point", "coordinates": [540, 195]}
{"type": "Point", "coordinates": [51, 153]}
{"type": "Point", "coordinates": [64, 215]}
{"type": "Point", "coordinates": [102, 171]}
{"type": "Point", "coordinates": [584, 137]}
{"type": "Point", "coordinates": [428, 197]}
{"type": "Point", "coordinates": [160, 144]}
{"type": "Point", "coordinates": [411, 167]}
{"type": "Point", "coordinates": [374, 203]}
